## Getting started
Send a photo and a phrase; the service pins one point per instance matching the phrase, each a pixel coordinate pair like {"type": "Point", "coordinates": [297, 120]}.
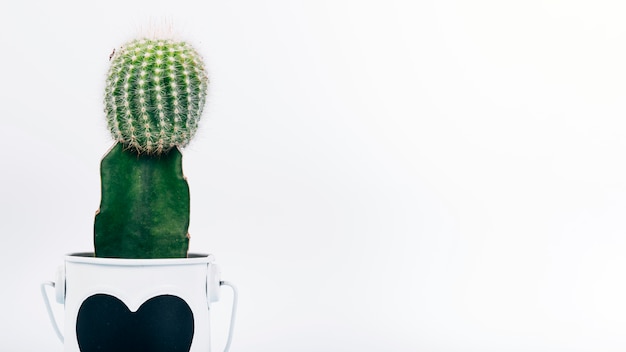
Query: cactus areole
{"type": "Point", "coordinates": [155, 93]}
{"type": "Point", "coordinates": [154, 96]}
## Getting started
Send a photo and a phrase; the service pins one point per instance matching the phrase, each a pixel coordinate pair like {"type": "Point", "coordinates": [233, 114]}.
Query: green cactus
{"type": "Point", "coordinates": [154, 96]}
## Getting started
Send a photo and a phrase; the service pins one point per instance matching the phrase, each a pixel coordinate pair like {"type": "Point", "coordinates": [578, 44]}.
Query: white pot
{"type": "Point", "coordinates": [137, 304]}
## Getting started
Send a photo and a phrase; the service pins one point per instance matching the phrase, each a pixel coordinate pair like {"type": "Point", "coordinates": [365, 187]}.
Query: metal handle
{"type": "Point", "coordinates": [213, 295]}
{"type": "Point", "coordinates": [232, 314]}
{"type": "Point", "coordinates": [50, 314]}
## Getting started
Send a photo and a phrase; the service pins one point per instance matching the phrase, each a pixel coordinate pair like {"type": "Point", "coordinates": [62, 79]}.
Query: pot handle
{"type": "Point", "coordinates": [232, 314]}
{"type": "Point", "coordinates": [50, 314]}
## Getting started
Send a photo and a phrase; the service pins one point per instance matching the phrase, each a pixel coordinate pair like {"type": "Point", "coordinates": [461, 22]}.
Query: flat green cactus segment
{"type": "Point", "coordinates": [154, 95]}
{"type": "Point", "coordinates": [144, 210]}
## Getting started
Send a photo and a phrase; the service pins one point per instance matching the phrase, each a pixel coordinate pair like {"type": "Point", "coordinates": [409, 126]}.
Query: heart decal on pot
{"type": "Point", "coordinates": [162, 324]}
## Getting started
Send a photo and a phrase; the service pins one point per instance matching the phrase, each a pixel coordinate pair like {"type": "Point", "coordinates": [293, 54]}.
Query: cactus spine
{"type": "Point", "coordinates": [154, 96]}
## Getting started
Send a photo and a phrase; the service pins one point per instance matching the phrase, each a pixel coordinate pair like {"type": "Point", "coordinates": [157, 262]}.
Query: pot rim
{"type": "Point", "coordinates": [90, 258]}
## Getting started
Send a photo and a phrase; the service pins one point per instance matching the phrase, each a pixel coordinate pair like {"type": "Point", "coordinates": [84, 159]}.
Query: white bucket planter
{"type": "Point", "coordinates": [137, 305]}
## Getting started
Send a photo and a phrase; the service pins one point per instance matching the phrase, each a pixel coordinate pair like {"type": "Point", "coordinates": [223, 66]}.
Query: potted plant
{"type": "Point", "coordinates": [140, 290]}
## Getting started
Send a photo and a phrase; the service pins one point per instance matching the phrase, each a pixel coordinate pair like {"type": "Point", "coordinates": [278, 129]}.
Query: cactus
{"type": "Point", "coordinates": [154, 96]}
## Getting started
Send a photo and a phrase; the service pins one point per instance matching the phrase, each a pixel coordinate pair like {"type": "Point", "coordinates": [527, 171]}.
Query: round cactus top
{"type": "Point", "coordinates": [154, 96]}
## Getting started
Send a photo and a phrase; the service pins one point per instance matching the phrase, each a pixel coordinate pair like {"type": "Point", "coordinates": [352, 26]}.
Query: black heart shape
{"type": "Point", "coordinates": [162, 324]}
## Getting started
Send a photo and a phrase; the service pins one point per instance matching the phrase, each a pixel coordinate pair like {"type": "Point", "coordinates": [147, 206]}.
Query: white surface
{"type": "Point", "coordinates": [213, 278]}
{"type": "Point", "coordinates": [59, 284]}
{"type": "Point", "coordinates": [373, 175]}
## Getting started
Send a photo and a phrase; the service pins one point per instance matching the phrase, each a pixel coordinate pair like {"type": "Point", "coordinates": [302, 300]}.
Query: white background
{"type": "Point", "coordinates": [374, 175]}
